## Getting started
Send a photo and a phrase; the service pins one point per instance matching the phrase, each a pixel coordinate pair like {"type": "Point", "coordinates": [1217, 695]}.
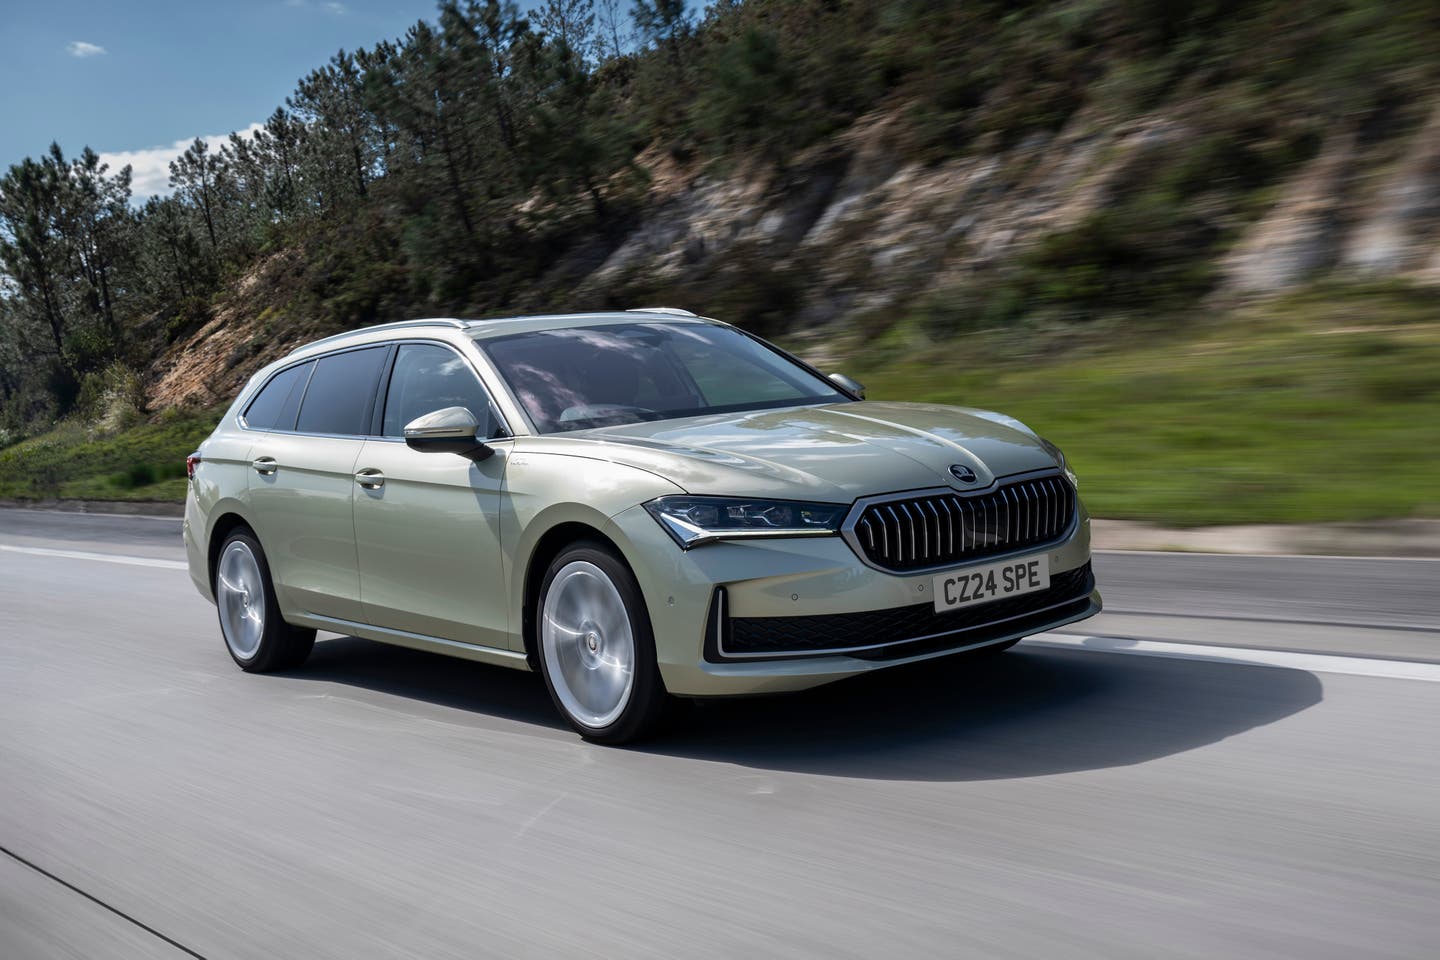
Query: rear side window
{"type": "Point", "coordinates": [427, 378]}
{"type": "Point", "coordinates": [341, 393]}
{"type": "Point", "coordinates": [274, 407]}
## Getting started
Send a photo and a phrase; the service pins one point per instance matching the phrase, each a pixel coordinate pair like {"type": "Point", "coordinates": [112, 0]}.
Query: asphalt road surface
{"type": "Point", "coordinates": [1056, 801]}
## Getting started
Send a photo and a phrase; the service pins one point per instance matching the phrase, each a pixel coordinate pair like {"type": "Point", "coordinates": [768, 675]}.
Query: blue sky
{"type": "Point", "coordinates": [133, 80]}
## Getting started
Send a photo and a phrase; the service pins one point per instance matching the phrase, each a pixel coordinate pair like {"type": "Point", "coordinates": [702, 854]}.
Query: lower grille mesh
{"type": "Point", "coordinates": [796, 636]}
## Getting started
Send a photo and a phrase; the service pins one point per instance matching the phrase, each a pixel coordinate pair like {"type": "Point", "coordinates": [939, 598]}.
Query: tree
{"type": "Point", "coordinates": [614, 36]}
{"type": "Point", "coordinates": [579, 136]}
{"type": "Point", "coordinates": [570, 23]}
{"type": "Point", "coordinates": [663, 24]}
{"type": "Point", "coordinates": [342, 142]}
{"type": "Point", "coordinates": [98, 223]}
{"type": "Point", "coordinates": [32, 248]}
{"type": "Point", "coordinates": [194, 174]}
{"type": "Point", "coordinates": [283, 142]}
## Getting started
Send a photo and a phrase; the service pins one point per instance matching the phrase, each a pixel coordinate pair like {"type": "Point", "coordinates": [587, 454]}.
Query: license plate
{"type": "Point", "coordinates": [1008, 578]}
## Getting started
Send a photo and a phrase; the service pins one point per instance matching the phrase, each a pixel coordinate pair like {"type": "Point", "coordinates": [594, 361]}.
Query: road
{"type": "Point", "coordinates": [1057, 801]}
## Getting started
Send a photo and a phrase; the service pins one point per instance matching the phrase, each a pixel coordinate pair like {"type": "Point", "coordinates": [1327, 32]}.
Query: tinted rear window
{"type": "Point", "coordinates": [275, 405]}
{"type": "Point", "coordinates": [341, 392]}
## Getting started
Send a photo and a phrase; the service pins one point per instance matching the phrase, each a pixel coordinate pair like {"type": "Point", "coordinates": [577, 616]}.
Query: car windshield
{"type": "Point", "coordinates": [600, 376]}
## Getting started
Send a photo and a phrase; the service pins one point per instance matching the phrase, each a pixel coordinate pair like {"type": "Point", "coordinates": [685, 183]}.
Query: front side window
{"type": "Point", "coordinates": [275, 406]}
{"type": "Point", "coordinates": [427, 378]}
{"type": "Point", "coordinates": [342, 389]}
{"type": "Point", "coordinates": [581, 377]}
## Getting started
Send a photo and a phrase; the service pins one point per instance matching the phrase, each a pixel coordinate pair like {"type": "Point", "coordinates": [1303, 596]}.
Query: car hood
{"type": "Point", "coordinates": [834, 452]}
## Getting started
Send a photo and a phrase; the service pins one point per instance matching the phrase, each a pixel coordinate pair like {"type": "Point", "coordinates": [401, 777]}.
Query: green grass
{"type": "Point", "coordinates": [1323, 406]}
{"type": "Point", "coordinates": [1319, 407]}
{"type": "Point", "coordinates": [73, 461]}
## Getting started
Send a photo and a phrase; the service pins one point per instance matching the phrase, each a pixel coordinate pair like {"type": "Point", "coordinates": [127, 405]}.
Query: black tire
{"type": "Point", "coordinates": [281, 646]}
{"type": "Point", "coordinates": [648, 705]}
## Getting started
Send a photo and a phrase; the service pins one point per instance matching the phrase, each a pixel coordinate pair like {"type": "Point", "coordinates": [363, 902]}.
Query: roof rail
{"type": "Point", "coordinates": [673, 311]}
{"type": "Point", "coordinates": [397, 325]}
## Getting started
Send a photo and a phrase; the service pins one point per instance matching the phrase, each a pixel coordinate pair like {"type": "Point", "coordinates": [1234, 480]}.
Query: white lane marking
{"type": "Point", "coordinates": [1261, 556]}
{"type": "Point", "coordinates": [104, 557]}
{"type": "Point", "coordinates": [1314, 662]}
{"type": "Point", "coordinates": [92, 514]}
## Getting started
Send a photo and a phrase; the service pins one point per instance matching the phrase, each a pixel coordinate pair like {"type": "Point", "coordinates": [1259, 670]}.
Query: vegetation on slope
{"type": "Point", "coordinates": [1322, 406]}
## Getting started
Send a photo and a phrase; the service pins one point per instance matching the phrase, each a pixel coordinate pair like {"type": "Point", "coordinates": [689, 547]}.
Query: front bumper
{"type": "Point", "coordinates": [787, 596]}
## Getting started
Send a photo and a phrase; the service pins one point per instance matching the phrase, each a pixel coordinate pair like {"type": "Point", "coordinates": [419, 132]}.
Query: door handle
{"type": "Point", "coordinates": [370, 479]}
{"type": "Point", "coordinates": [265, 466]}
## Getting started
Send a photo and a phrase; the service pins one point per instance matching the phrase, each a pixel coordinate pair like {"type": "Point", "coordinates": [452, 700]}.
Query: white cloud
{"type": "Point", "coordinates": [82, 49]}
{"type": "Point", "coordinates": [150, 176]}
{"type": "Point", "coordinates": [335, 8]}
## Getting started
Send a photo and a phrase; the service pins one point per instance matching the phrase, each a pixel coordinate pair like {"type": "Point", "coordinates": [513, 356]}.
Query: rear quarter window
{"type": "Point", "coordinates": [275, 406]}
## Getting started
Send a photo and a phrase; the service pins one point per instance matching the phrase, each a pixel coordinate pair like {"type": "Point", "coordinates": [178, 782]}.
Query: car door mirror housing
{"type": "Point", "coordinates": [848, 384]}
{"type": "Point", "coordinates": [450, 430]}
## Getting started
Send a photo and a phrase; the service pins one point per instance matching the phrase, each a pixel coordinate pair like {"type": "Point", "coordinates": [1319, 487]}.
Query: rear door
{"type": "Point", "coordinates": [302, 486]}
{"type": "Point", "coordinates": [427, 525]}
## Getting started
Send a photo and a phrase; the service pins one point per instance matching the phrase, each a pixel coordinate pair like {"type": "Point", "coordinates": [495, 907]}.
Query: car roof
{"type": "Point", "coordinates": [497, 326]}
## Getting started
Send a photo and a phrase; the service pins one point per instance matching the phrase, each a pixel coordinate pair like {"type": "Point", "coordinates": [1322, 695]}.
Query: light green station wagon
{"type": "Point", "coordinates": [643, 506]}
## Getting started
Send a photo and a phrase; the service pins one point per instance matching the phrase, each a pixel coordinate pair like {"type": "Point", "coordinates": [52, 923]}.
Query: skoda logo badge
{"type": "Point", "coordinates": [962, 473]}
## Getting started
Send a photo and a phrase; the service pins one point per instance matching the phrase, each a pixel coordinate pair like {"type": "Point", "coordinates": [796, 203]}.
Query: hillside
{"type": "Point", "coordinates": [1113, 218]}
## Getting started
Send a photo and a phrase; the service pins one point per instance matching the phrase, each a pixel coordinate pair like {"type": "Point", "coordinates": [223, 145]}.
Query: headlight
{"type": "Point", "coordinates": [696, 520]}
{"type": "Point", "coordinates": [1059, 456]}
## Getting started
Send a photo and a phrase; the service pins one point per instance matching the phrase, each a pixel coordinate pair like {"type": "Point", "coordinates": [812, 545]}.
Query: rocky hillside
{"type": "Point", "coordinates": [852, 239]}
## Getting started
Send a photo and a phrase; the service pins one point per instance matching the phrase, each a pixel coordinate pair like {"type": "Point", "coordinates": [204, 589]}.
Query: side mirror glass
{"type": "Point", "coordinates": [451, 430]}
{"type": "Point", "coordinates": [849, 385]}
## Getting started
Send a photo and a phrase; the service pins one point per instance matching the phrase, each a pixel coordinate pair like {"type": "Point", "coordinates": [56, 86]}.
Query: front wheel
{"type": "Point", "coordinates": [258, 638]}
{"type": "Point", "coordinates": [596, 649]}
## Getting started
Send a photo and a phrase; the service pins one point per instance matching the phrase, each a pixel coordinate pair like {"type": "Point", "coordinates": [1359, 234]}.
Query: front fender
{"type": "Point", "coordinates": [544, 491]}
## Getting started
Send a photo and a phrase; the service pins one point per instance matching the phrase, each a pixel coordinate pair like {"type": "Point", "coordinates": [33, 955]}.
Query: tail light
{"type": "Point", "coordinates": [191, 462]}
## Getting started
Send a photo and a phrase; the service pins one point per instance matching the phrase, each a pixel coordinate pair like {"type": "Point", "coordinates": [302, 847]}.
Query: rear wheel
{"type": "Point", "coordinates": [258, 638]}
{"type": "Point", "coordinates": [596, 649]}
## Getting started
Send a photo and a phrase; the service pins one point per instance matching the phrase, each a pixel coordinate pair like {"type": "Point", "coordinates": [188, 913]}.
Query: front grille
{"type": "Point", "coordinates": [949, 528]}
{"type": "Point", "coordinates": [903, 626]}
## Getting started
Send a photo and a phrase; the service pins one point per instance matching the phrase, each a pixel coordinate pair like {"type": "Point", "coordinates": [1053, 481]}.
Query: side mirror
{"type": "Point", "coordinates": [849, 385]}
{"type": "Point", "coordinates": [451, 430]}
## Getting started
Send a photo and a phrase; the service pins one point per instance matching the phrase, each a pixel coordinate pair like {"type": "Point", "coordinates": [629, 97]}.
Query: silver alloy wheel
{"type": "Point", "coordinates": [587, 643]}
{"type": "Point", "coordinates": [240, 595]}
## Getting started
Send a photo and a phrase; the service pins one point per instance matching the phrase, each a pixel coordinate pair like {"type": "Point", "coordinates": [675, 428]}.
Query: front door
{"type": "Point", "coordinates": [427, 525]}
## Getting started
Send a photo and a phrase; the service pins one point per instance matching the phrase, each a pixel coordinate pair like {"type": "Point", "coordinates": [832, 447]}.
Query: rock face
{"type": "Point", "coordinates": [1300, 235]}
{"type": "Point", "coordinates": [871, 230]}
{"type": "Point", "coordinates": [1399, 235]}
{"type": "Point", "coordinates": [211, 365]}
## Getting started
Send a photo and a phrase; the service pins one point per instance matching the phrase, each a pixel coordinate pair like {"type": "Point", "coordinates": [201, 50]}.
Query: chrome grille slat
{"type": "Point", "coordinates": [948, 542]}
{"type": "Point", "coordinates": [942, 529]}
{"type": "Point", "coordinates": [910, 526]}
{"type": "Point", "coordinates": [1032, 511]}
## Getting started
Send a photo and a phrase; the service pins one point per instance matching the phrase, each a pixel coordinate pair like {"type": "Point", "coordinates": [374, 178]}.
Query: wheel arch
{"type": "Point", "coordinates": [550, 545]}
{"type": "Point", "coordinates": [223, 525]}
